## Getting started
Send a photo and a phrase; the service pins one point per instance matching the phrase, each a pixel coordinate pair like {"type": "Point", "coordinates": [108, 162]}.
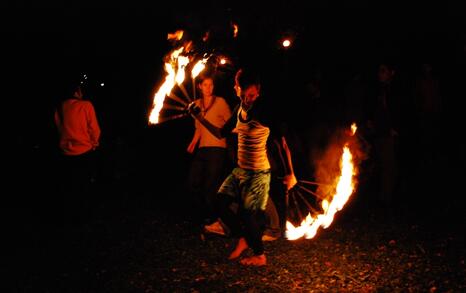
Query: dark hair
{"type": "Point", "coordinates": [245, 77]}
{"type": "Point", "coordinates": [389, 63]}
{"type": "Point", "coordinates": [73, 89]}
{"type": "Point", "coordinates": [73, 83]}
{"type": "Point", "coordinates": [203, 76]}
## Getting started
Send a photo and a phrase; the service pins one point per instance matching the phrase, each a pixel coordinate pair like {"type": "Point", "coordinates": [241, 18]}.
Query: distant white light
{"type": "Point", "coordinates": [223, 61]}
{"type": "Point", "coordinates": [102, 84]}
{"type": "Point", "coordinates": [286, 43]}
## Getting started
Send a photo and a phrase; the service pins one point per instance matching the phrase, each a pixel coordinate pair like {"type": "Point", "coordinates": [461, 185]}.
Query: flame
{"type": "Point", "coordinates": [175, 68]}
{"type": "Point", "coordinates": [198, 68]}
{"type": "Point", "coordinates": [344, 189]}
{"type": "Point", "coordinates": [180, 73]}
{"type": "Point", "coordinates": [235, 30]}
{"type": "Point", "coordinates": [353, 128]}
{"type": "Point", "coordinates": [206, 36]}
{"type": "Point", "coordinates": [172, 77]}
{"type": "Point", "coordinates": [178, 35]}
{"type": "Point", "coordinates": [164, 91]}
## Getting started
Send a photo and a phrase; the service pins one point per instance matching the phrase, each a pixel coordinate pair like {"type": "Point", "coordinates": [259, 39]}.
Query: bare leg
{"type": "Point", "coordinates": [240, 247]}
{"type": "Point", "coordinates": [256, 260]}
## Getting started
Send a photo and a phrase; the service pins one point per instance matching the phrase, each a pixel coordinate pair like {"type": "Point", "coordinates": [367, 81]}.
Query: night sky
{"type": "Point", "coordinates": [46, 45]}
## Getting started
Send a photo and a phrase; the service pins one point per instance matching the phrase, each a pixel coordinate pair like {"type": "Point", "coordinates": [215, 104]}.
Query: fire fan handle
{"type": "Point", "coordinates": [193, 109]}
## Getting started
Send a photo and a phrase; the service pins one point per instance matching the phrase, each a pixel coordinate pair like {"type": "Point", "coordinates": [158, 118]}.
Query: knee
{"type": "Point", "coordinates": [223, 201]}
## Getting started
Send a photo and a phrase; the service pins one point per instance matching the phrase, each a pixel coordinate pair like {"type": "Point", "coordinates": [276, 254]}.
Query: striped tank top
{"type": "Point", "coordinates": [252, 144]}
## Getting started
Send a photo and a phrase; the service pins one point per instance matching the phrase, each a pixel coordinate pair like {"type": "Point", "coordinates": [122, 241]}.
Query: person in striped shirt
{"type": "Point", "coordinates": [249, 182]}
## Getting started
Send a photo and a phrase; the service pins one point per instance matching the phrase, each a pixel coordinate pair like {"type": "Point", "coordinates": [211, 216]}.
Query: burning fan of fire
{"type": "Point", "coordinates": [175, 67]}
{"type": "Point", "coordinates": [343, 187]}
{"type": "Point", "coordinates": [177, 63]}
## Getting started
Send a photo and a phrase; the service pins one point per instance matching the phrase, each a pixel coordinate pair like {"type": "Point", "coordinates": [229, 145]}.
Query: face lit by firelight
{"type": "Point", "coordinates": [207, 87]}
{"type": "Point", "coordinates": [249, 95]}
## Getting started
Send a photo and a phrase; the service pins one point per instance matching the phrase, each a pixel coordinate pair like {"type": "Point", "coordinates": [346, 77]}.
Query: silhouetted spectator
{"type": "Point", "coordinates": [79, 135]}
{"type": "Point", "coordinates": [383, 121]}
{"type": "Point", "coordinates": [428, 102]}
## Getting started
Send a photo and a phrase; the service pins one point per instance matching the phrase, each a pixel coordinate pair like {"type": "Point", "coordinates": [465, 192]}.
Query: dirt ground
{"type": "Point", "coordinates": [144, 246]}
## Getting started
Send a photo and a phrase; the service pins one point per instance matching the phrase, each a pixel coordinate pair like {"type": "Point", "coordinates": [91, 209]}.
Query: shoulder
{"type": "Point", "coordinates": [221, 101]}
{"type": "Point", "coordinates": [86, 103]}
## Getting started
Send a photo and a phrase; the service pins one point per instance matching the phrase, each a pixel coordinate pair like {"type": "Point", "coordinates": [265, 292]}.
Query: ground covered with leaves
{"type": "Point", "coordinates": [146, 247]}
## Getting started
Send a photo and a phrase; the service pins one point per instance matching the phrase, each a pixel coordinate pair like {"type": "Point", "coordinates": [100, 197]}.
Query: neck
{"type": "Point", "coordinates": [207, 102]}
{"type": "Point", "coordinates": [207, 98]}
{"type": "Point", "coordinates": [246, 107]}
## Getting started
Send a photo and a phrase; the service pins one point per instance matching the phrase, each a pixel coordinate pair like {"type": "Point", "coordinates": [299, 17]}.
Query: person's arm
{"type": "Point", "coordinates": [290, 179]}
{"type": "Point", "coordinates": [58, 117]}
{"type": "Point", "coordinates": [194, 141]}
{"type": "Point", "coordinates": [225, 110]}
{"type": "Point", "coordinates": [216, 131]}
{"type": "Point", "coordinates": [94, 129]}
{"type": "Point", "coordinates": [58, 121]}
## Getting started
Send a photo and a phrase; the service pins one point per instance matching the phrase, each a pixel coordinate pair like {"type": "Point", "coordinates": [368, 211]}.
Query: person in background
{"type": "Point", "coordinates": [383, 116]}
{"type": "Point", "coordinates": [79, 135]}
{"type": "Point", "coordinates": [210, 158]}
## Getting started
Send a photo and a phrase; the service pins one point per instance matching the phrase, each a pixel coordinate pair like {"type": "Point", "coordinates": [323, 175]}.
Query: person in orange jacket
{"type": "Point", "coordinates": [79, 135]}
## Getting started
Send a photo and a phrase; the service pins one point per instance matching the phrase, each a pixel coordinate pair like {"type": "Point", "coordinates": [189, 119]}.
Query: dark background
{"type": "Point", "coordinates": [123, 44]}
{"type": "Point", "coordinates": [47, 44]}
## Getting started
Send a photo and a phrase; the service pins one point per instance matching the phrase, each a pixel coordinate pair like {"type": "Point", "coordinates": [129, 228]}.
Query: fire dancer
{"type": "Point", "coordinates": [209, 162]}
{"type": "Point", "coordinates": [249, 183]}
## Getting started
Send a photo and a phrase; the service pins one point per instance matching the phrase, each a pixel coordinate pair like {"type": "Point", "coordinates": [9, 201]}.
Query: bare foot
{"type": "Point", "coordinates": [240, 247]}
{"type": "Point", "coordinates": [256, 260]}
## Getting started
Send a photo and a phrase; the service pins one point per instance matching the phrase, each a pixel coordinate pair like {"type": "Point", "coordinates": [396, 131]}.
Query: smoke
{"type": "Point", "coordinates": [326, 161]}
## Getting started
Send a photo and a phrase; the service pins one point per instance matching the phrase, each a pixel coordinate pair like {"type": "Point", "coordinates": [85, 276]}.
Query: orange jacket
{"type": "Point", "coordinates": [78, 127]}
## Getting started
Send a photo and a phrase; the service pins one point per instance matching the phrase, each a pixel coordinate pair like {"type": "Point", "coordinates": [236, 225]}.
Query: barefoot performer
{"type": "Point", "coordinates": [249, 182]}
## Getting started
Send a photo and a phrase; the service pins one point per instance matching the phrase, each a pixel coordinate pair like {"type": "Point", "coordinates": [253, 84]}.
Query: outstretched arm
{"type": "Point", "coordinates": [216, 131]}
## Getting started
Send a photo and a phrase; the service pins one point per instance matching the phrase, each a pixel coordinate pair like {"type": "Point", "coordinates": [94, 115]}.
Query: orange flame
{"type": "Point", "coordinates": [180, 73]}
{"type": "Point", "coordinates": [344, 188]}
{"type": "Point", "coordinates": [175, 68]}
{"type": "Point", "coordinates": [206, 36]}
{"type": "Point", "coordinates": [353, 128]}
{"type": "Point", "coordinates": [178, 35]}
{"type": "Point", "coordinates": [198, 68]}
{"type": "Point", "coordinates": [235, 30]}
{"type": "Point", "coordinates": [166, 87]}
